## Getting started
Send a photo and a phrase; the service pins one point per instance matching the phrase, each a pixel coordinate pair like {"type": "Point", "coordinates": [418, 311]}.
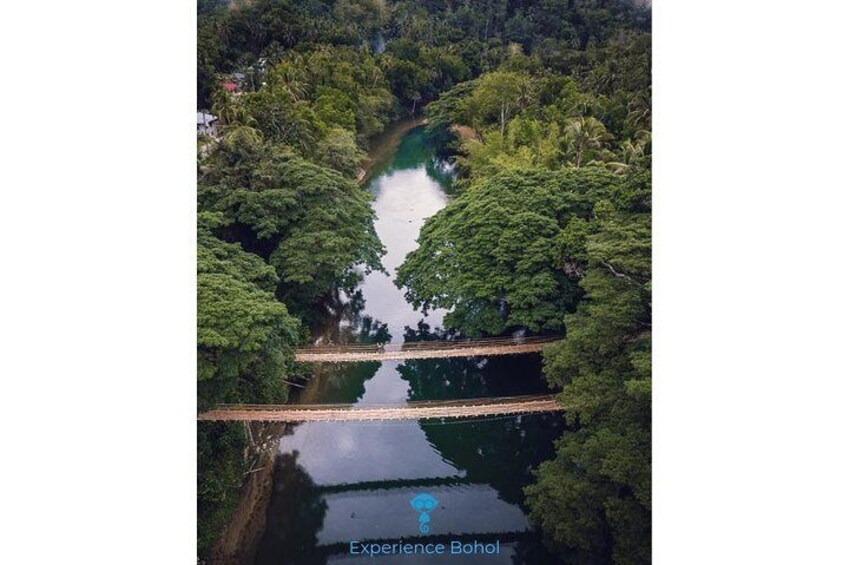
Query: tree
{"type": "Point", "coordinates": [245, 336]}
{"type": "Point", "coordinates": [594, 499]}
{"type": "Point", "coordinates": [220, 472]}
{"type": "Point", "coordinates": [585, 138]}
{"type": "Point", "coordinates": [500, 95]}
{"type": "Point", "coordinates": [493, 255]}
{"type": "Point", "coordinates": [307, 221]}
{"type": "Point", "coordinates": [447, 111]}
{"type": "Point", "coordinates": [549, 231]}
{"type": "Point", "coordinates": [338, 150]}
{"type": "Point", "coordinates": [527, 142]}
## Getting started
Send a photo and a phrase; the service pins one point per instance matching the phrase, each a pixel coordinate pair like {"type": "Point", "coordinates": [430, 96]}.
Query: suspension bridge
{"type": "Point", "coordinates": [498, 406]}
{"type": "Point", "coordinates": [422, 350]}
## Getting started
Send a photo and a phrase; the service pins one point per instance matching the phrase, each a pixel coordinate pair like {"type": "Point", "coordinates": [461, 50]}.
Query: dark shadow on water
{"type": "Point", "coordinates": [337, 383]}
{"type": "Point", "coordinates": [500, 452]}
{"type": "Point", "coordinates": [295, 516]}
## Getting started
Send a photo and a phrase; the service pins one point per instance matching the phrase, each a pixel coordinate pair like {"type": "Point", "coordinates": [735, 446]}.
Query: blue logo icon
{"type": "Point", "coordinates": [424, 504]}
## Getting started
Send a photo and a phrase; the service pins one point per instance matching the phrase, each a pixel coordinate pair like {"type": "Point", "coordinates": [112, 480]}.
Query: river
{"type": "Point", "coordinates": [337, 482]}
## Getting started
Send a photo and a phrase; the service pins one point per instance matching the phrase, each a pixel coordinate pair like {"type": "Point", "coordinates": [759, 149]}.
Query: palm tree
{"type": "Point", "coordinates": [227, 109]}
{"type": "Point", "coordinates": [416, 98]}
{"type": "Point", "coordinates": [584, 136]}
{"type": "Point", "coordinates": [633, 149]}
{"type": "Point", "coordinates": [242, 135]}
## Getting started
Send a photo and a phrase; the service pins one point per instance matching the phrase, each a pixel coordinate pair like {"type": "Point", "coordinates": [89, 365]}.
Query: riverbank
{"type": "Point", "coordinates": [240, 538]}
{"type": "Point", "coordinates": [382, 146]}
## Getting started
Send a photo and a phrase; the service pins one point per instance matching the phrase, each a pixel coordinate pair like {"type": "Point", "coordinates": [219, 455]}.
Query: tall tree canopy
{"type": "Point", "coordinates": [594, 499]}
{"type": "Point", "coordinates": [495, 254]}
{"type": "Point", "coordinates": [245, 335]}
{"type": "Point", "coordinates": [311, 224]}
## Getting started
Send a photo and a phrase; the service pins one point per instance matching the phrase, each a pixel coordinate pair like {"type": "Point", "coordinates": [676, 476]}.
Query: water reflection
{"type": "Point", "coordinates": [404, 197]}
{"type": "Point", "coordinates": [336, 453]}
{"type": "Point", "coordinates": [386, 514]}
{"type": "Point", "coordinates": [296, 513]}
{"type": "Point", "coordinates": [473, 377]}
{"type": "Point", "coordinates": [337, 383]}
{"type": "Point", "coordinates": [497, 451]}
{"type": "Point", "coordinates": [343, 321]}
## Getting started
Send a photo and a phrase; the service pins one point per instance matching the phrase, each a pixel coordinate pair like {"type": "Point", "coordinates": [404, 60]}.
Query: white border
{"type": "Point", "coordinates": [750, 457]}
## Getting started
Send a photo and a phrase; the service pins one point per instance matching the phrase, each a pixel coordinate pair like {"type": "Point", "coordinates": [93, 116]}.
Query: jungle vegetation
{"type": "Point", "coordinates": [545, 106]}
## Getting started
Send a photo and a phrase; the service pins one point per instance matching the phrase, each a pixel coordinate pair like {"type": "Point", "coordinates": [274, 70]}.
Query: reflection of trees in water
{"type": "Point", "coordinates": [473, 377]}
{"type": "Point", "coordinates": [415, 148]}
{"type": "Point", "coordinates": [423, 332]}
{"type": "Point", "coordinates": [497, 451]}
{"type": "Point", "coordinates": [372, 331]}
{"type": "Point", "coordinates": [343, 382]}
{"type": "Point", "coordinates": [337, 382]}
{"type": "Point", "coordinates": [441, 171]}
{"type": "Point", "coordinates": [412, 152]}
{"type": "Point", "coordinates": [295, 516]}
{"type": "Point", "coordinates": [446, 379]}
{"type": "Point", "coordinates": [340, 320]}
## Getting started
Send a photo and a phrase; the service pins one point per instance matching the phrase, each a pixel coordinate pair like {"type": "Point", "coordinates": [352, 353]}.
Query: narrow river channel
{"type": "Point", "coordinates": [337, 482]}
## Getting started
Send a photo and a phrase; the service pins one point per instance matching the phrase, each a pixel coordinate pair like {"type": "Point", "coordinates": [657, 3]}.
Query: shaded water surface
{"type": "Point", "coordinates": [335, 482]}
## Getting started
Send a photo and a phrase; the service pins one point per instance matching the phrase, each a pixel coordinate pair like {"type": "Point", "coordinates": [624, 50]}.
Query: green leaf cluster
{"type": "Point", "coordinates": [594, 109]}
{"type": "Point", "coordinates": [521, 248]}
{"type": "Point", "coordinates": [309, 92]}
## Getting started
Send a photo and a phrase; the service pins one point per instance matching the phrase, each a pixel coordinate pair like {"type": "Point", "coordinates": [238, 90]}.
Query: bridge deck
{"type": "Point", "coordinates": [410, 411]}
{"type": "Point", "coordinates": [422, 350]}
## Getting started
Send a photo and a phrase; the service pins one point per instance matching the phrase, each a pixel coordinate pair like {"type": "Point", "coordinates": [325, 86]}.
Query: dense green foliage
{"type": "Point", "coordinates": [281, 224]}
{"type": "Point", "coordinates": [495, 255]}
{"type": "Point", "coordinates": [220, 470]}
{"type": "Point", "coordinates": [527, 115]}
{"type": "Point", "coordinates": [244, 333]}
{"type": "Point", "coordinates": [308, 222]}
{"type": "Point", "coordinates": [595, 497]}
{"type": "Point", "coordinates": [545, 107]}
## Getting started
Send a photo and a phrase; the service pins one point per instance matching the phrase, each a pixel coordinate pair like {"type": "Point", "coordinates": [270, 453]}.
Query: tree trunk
{"type": "Point", "coordinates": [503, 118]}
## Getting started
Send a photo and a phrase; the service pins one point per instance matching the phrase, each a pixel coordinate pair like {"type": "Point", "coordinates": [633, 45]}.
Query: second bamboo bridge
{"type": "Point", "coordinates": [422, 350]}
{"type": "Point", "coordinates": [500, 406]}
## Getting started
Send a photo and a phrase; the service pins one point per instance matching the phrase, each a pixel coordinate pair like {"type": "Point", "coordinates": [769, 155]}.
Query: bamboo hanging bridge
{"type": "Point", "coordinates": [499, 406]}
{"type": "Point", "coordinates": [422, 350]}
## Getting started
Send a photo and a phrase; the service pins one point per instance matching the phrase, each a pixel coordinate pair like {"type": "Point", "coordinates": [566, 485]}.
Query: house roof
{"type": "Point", "coordinates": [205, 118]}
{"type": "Point", "coordinates": [231, 86]}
